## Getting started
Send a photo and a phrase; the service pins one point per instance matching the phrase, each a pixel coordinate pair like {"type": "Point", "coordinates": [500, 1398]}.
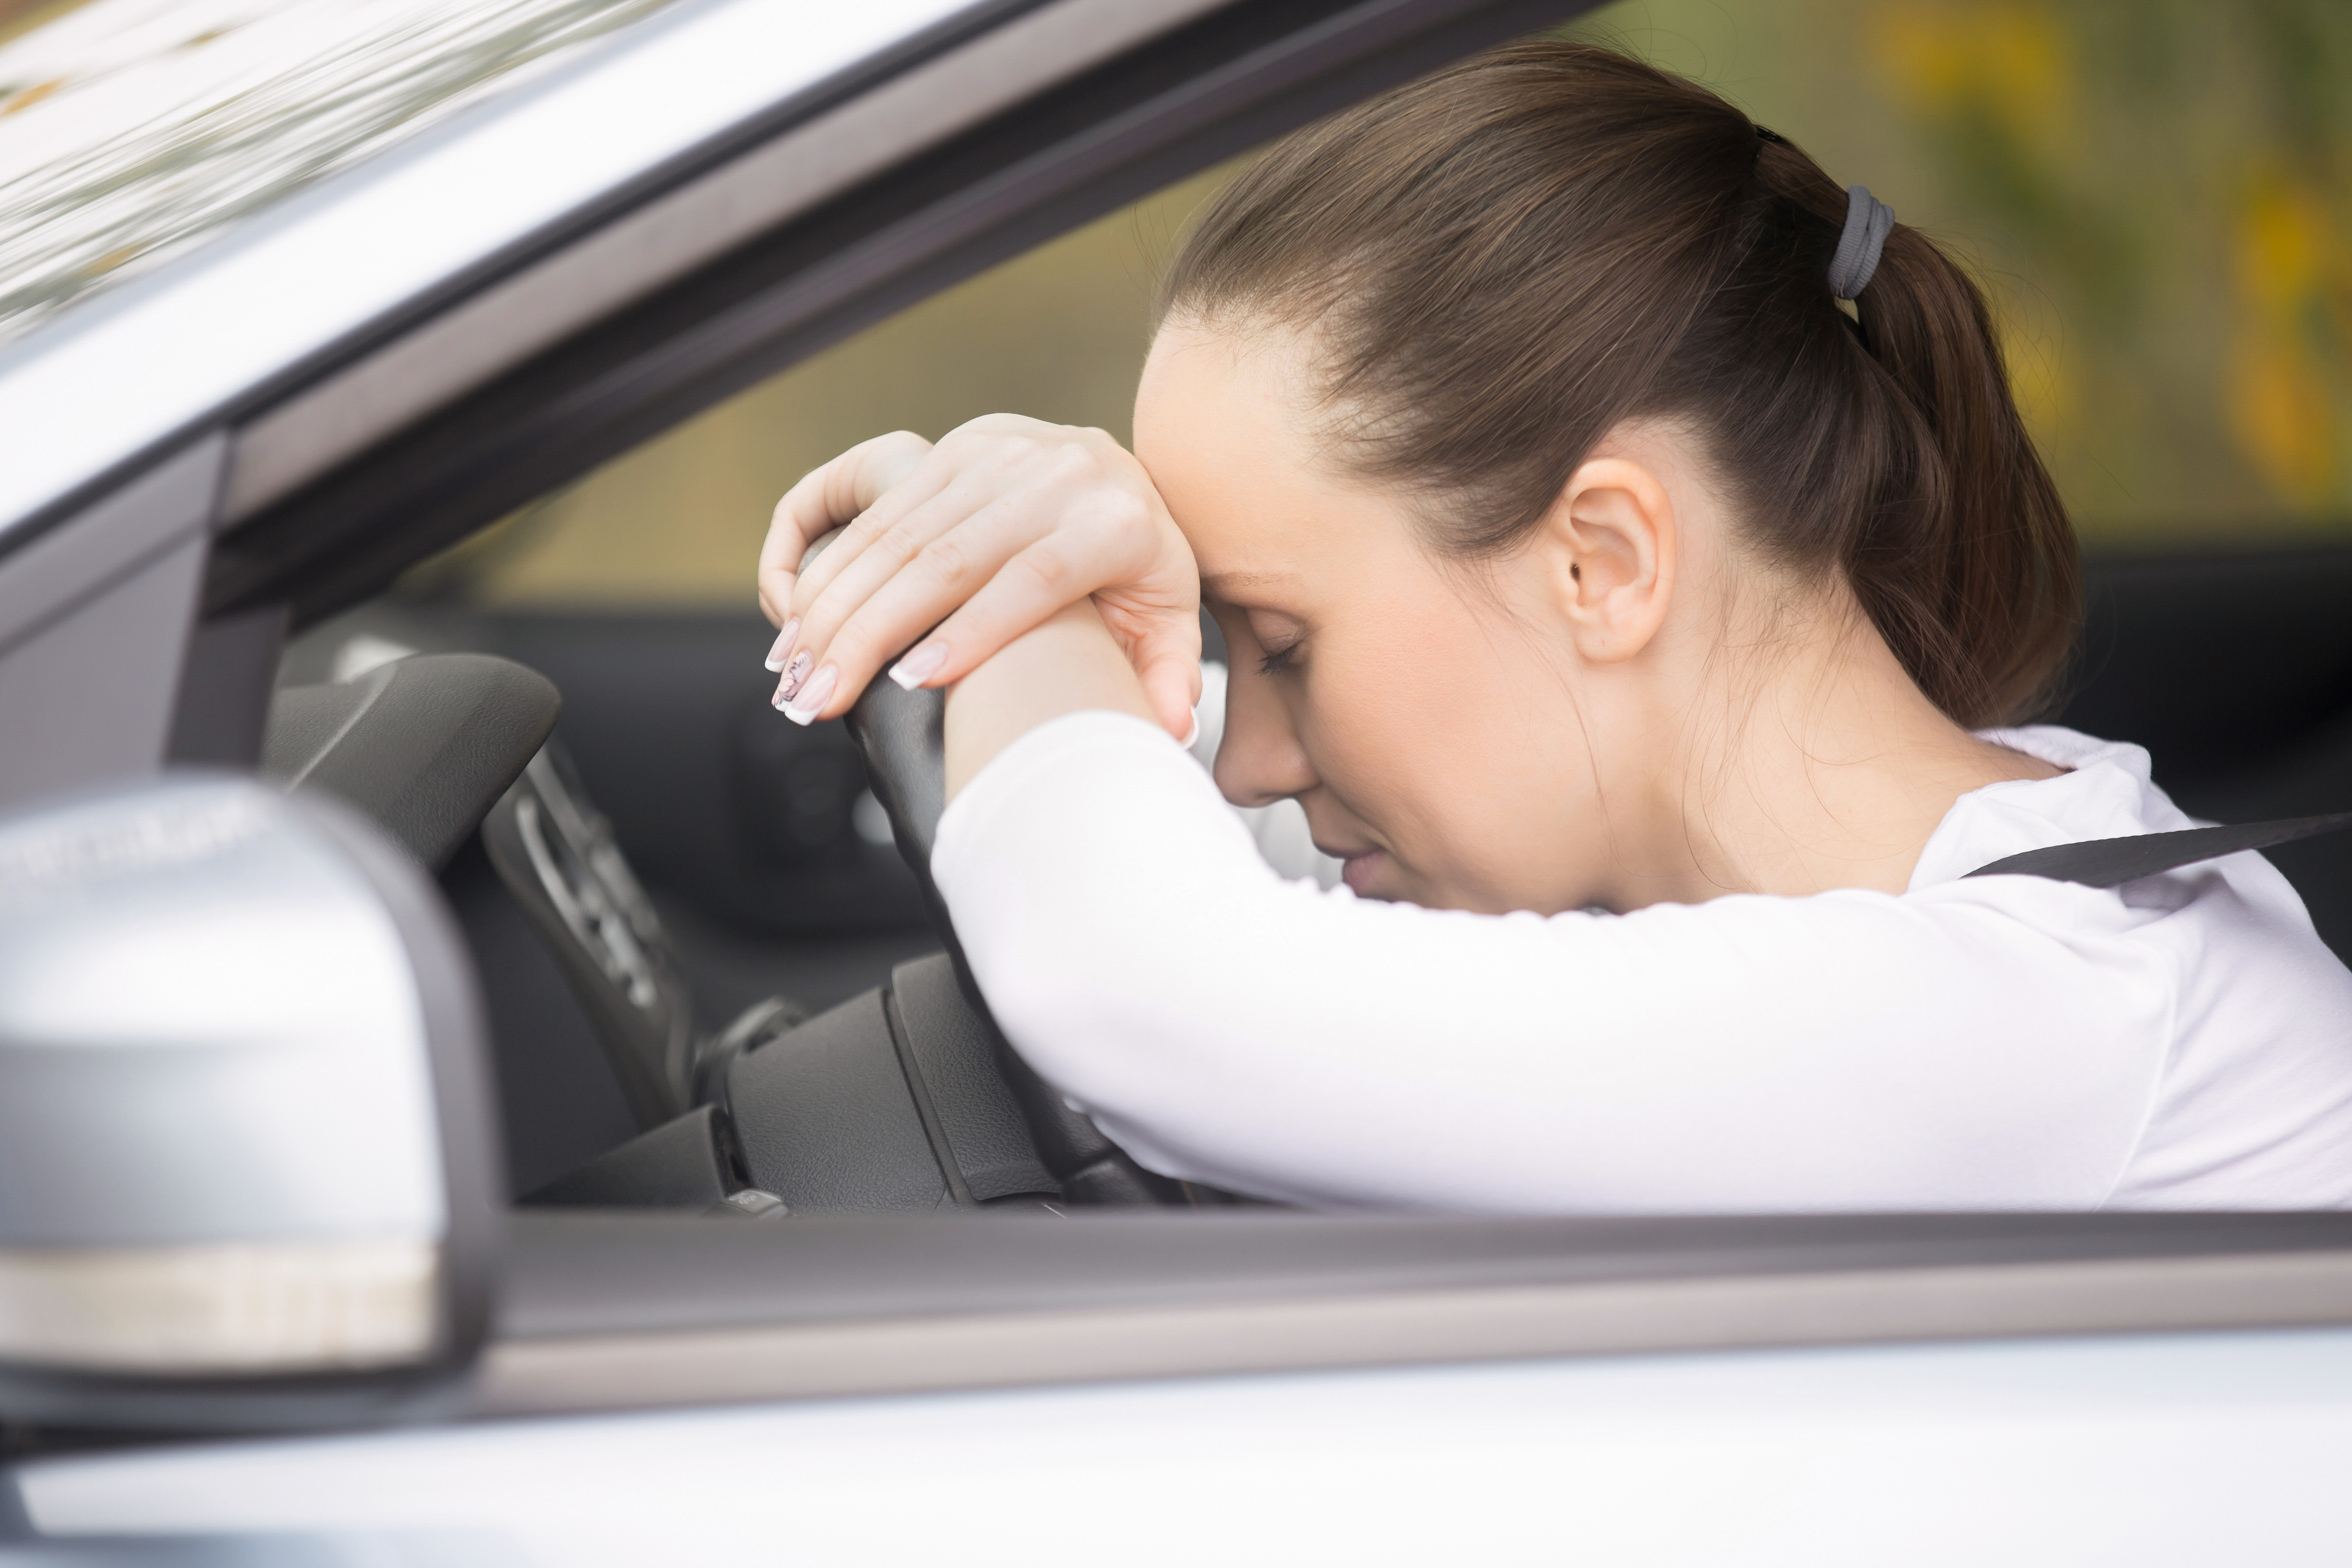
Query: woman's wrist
{"type": "Point", "coordinates": [1069, 664]}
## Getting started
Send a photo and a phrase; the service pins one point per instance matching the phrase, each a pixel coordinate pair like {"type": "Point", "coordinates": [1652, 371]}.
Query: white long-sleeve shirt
{"type": "Point", "coordinates": [2002, 1042]}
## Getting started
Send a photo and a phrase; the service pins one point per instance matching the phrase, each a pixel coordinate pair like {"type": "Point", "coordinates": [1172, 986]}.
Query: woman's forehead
{"type": "Point", "coordinates": [1239, 370]}
{"type": "Point", "coordinates": [1235, 447]}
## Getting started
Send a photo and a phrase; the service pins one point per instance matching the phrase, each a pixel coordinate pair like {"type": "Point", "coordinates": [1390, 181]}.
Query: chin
{"type": "Point", "coordinates": [1377, 877]}
{"type": "Point", "coordinates": [1369, 875]}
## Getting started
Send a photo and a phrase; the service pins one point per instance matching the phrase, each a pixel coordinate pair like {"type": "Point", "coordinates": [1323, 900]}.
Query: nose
{"type": "Point", "coordinates": [1260, 760]}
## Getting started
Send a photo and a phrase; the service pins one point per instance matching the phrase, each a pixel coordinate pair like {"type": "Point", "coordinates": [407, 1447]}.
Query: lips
{"type": "Point", "coordinates": [1358, 868]}
{"type": "Point", "coordinates": [1363, 864]}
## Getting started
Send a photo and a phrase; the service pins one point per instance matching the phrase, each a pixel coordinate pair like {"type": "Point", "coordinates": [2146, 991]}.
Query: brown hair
{"type": "Point", "coordinates": [1505, 260]}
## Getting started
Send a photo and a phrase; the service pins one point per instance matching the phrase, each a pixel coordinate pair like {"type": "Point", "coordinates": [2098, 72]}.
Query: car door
{"type": "Point", "coordinates": [1028, 1385]}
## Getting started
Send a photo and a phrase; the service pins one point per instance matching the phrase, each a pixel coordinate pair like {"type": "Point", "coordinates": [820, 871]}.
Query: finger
{"type": "Point", "coordinates": [815, 511]}
{"type": "Point", "coordinates": [929, 562]}
{"type": "Point", "coordinates": [974, 463]}
{"type": "Point", "coordinates": [819, 504]}
{"type": "Point", "coordinates": [797, 520]}
{"type": "Point", "coordinates": [984, 562]}
{"type": "Point", "coordinates": [1167, 660]}
{"type": "Point", "coordinates": [989, 445]}
{"type": "Point", "coordinates": [887, 539]}
{"type": "Point", "coordinates": [965, 464]}
{"type": "Point", "coordinates": [879, 521]}
{"type": "Point", "coordinates": [825, 499]}
{"type": "Point", "coordinates": [1037, 582]}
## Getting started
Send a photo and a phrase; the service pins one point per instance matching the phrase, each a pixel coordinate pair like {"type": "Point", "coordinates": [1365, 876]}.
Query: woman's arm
{"type": "Point", "coordinates": [1067, 665]}
{"type": "Point", "coordinates": [1851, 1051]}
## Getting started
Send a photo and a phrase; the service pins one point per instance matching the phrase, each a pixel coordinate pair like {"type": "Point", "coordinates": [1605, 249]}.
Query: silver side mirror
{"type": "Point", "coordinates": [248, 1169]}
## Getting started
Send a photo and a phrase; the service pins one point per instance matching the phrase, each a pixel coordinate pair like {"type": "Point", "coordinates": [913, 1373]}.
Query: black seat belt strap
{"type": "Point", "coordinates": [2110, 862]}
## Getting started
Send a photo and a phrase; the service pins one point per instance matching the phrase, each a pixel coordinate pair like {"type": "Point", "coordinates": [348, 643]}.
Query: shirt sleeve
{"type": "Point", "coordinates": [1851, 1050]}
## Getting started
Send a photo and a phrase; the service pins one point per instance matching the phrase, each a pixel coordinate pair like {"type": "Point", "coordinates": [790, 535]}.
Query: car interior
{"type": "Point", "coordinates": [716, 975]}
{"type": "Point", "coordinates": [637, 1067]}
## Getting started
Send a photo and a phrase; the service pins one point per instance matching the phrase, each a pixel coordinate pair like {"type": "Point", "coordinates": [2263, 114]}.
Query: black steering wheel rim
{"type": "Point", "coordinates": [903, 737]}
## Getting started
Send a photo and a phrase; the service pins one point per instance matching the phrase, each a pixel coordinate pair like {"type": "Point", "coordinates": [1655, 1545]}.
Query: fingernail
{"type": "Point", "coordinates": [784, 643]}
{"type": "Point", "coordinates": [813, 696]}
{"type": "Point", "coordinates": [1192, 735]}
{"type": "Point", "coordinates": [920, 665]}
{"type": "Point", "coordinates": [794, 676]}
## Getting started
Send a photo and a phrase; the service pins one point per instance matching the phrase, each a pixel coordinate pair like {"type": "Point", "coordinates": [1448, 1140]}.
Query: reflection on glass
{"type": "Point", "coordinates": [130, 129]}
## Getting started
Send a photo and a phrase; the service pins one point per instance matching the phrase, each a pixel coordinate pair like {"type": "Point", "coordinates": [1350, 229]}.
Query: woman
{"type": "Point", "coordinates": [1629, 619]}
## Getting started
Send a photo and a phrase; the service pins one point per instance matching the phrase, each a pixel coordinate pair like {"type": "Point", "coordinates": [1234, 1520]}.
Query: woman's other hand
{"type": "Point", "coordinates": [1004, 523]}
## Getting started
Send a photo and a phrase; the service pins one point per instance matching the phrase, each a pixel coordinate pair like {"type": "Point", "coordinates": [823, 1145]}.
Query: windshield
{"type": "Point", "coordinates": [130, 129]}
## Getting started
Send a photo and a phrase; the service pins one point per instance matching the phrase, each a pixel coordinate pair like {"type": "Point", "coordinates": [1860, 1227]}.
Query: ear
{"type": "Point", "coordinates": [1608, 550]}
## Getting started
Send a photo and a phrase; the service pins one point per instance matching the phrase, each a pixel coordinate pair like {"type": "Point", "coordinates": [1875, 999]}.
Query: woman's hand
{"type": "Point", "coordinates": [1004, 523]}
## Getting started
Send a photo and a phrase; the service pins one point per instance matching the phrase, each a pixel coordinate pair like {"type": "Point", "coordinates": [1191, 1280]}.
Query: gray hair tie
{"type": "Point", "coordinates": [1867, 221]}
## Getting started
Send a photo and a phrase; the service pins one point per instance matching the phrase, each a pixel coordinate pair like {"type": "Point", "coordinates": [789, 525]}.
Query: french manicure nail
{"type": "Point", "coordinates": [784, 644]}
{"type": "Point", "coordinates": [794, 673]}
{"type": "Point", "coordinates": [813, 696]}
{"type": "Point", "coordinates": [920, 665]}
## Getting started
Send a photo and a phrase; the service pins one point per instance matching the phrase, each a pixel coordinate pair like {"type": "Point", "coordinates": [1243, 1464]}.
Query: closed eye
{"type": "Point", "coordinates": [1279, 660]}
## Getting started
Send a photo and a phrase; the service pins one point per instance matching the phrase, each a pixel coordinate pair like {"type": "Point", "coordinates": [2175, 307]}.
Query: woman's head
{"type": "Point", "coordinates": [1451, 310]}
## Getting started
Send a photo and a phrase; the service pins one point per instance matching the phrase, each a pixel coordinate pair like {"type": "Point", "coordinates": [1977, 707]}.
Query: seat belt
{"type": "Point", "coordinates": [2110, 862]}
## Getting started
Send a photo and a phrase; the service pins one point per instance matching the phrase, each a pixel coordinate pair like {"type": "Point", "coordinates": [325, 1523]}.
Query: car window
{"type": "Point", "coordinates": [1058, 334]}
{"type": "Point", "coordinates": [131, 129]}
{"type": "Point", "coordinates": [2138, 339]}
{"type": "Point", "coordinates": [2153, 196]}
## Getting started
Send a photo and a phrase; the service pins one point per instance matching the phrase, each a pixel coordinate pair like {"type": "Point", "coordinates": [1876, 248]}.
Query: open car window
{"type": "Point", "coordinates": [2145, 195]}
{"type": "Point", "coordinates": [643, 564]}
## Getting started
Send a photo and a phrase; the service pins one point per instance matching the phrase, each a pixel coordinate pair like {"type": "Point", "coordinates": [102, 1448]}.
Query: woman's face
{"type": "Point", "coordinates": [1427, 718]}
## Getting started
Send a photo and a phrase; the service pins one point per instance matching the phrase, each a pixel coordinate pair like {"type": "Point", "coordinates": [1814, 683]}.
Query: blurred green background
{"type": "Point", "coordinates": [2154, 193]}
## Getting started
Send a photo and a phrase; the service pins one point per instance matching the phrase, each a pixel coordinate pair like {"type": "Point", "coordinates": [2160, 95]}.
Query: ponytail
{"type": "Point", "coordinates": [1983, 604]}
{"type": "Point", "coordinates": [1506, 260]}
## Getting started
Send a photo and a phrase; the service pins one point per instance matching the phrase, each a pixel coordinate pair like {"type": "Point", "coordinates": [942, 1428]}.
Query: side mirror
{"type": "Point", "coordinates": [248, 1162]}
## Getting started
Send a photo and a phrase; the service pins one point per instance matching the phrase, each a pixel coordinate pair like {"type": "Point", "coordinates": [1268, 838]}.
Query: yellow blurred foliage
{"type": "Point", "coordinates": [2007, 61]}
{"type": "Point", "coordinates": [2040, 377]}
{"type": "Point", "coordinates": [2286, 409]}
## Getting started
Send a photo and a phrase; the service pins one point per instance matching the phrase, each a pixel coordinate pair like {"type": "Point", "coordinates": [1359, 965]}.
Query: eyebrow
{"type": "Point", "coordinates": [1221, 586]}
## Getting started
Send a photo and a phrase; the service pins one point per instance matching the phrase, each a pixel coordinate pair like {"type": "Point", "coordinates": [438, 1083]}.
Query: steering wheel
{"type": "Point", "coordinates": [904, 1097]}
{"type": "Point", "coordinates": [903, 736]}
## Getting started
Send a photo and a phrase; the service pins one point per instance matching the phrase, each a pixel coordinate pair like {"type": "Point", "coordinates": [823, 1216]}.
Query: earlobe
{"type": "Point", "coordinates": [1612, 543]}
